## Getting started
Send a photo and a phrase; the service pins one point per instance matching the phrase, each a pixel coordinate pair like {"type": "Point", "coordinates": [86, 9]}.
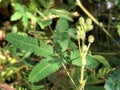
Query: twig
{"type": "Point", "coordinates": [95, 20]}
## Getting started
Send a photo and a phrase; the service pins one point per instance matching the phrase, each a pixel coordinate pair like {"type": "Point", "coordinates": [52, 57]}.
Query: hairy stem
{"type": "Point", "coordinates": [81, 50]}
{"type": "Point", "coordinates": [83, 53]}
{"type": "Point", "coordinates": [96, 21]}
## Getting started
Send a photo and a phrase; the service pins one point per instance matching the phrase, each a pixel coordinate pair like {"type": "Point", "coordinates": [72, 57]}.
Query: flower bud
{"type": "Point", "coordinates": [89, 21]}
{"type": "Point", "coordinates": [81, 21]}
{"type": "Point", "coordinates": [89, 27]}
{"type": "Point", "coordinates": [85, 27]}
{"type": "Point", "coordinates": [91, 39]}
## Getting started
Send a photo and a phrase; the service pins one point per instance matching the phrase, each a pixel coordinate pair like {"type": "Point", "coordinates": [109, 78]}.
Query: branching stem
{"type": "Point", "coordinates": [78, 2]}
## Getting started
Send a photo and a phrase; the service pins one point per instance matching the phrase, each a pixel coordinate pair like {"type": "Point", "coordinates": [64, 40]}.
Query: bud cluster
{"type": "Point", "coordinates": [83, 27]}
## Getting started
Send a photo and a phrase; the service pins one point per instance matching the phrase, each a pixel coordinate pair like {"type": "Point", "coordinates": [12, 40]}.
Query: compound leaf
{"type": "Point", "coordinates": [113, 82]}
{"type": "Point", "coordinates": [27, 43]}
{"type": "Point", "coordinates": [45, 68]}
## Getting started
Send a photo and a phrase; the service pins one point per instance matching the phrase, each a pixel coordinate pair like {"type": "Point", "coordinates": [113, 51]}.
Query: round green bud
{"type": "Point", "coordinates": [91, 39]}
{"type": "Point", "coordinates": [89, 27]}
{"type": "Point", "coordinates": [81, 21]}
{"type": "Point", "coordinates": [85, 26]}
{"type": "Point", "coordinates": [89, 21]}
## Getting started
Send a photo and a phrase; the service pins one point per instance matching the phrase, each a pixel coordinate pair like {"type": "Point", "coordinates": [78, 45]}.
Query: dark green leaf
{"type": "Point", "coordinates": [29, 62]}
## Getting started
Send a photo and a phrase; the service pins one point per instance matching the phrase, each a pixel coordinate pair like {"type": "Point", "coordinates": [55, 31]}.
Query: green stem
{"type": "Point", "coordinates": [87, 12]}
{"type": "Point", "coordinates": [87, 49]}
{"type": "Point", "coordinates": [95, 20]}
{"type": "Point", "coordinates": [82, 67]}
{"type": "Point", "coordinates": [81, 50]}
{"type": "Point", "coordinates": [83, 54]}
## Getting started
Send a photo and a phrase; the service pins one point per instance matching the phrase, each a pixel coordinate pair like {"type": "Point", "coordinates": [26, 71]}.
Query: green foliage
{"type": "Point", "coordinates": [102, 60]}
{"type": "Point", "coordinates": [91, 62]}
{"type": "Point", "coordinates": [61, 34]}
{"type": "Point", "coordinates": [76, 60]}
{"type": "Point", "coordinates": [43, 19]}
{"type": "Point", "coordinates": [21, 12]}
{"type": "Point", "coordinates": [43, 43]}
{"type": "Point", "coordinates": [45, 68]}
{"type": "Point", "coordinates": [29, 44]}
{"type": "Point", "coordinates": [113, 81]}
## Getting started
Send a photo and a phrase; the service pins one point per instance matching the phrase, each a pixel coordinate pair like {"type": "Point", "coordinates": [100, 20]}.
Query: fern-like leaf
{"type": "Point", "coordinates": [45, 68]}
{"type": "Point", "coordinates": [113, 82]}
{"type": "Point", "coordinates": [27, 43]}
